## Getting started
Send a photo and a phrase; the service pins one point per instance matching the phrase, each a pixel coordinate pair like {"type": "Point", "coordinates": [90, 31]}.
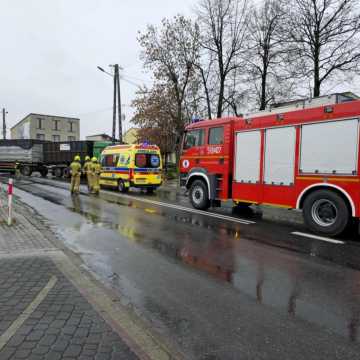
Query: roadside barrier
{"type": "Point", "coordinates": [10, 191]}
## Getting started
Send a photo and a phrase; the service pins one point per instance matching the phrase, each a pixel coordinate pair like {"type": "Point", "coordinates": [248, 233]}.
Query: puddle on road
{"type": "Point", "coordinates": [298, 286]}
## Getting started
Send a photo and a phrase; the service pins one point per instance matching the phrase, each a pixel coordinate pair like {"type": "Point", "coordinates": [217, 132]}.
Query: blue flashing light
{"type": "Point", "coordinates": [195, 120]}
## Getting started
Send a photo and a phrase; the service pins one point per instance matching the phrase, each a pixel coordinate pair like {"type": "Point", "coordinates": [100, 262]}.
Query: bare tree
{"type": "Point", "coordinates": [195, 105]}
{"type": "Point", "coordinates": [170, 52]}
{"type": "Point", "coordinates": [156, 115]}
{"type": "Point", "coordinates": [223, 28]}
{"type": "Point", "coordinates": [204, 65]}
{"type": "Point", "coordinates": [325, 35]}
{"type": "Point", "coordinates": [267, 52]}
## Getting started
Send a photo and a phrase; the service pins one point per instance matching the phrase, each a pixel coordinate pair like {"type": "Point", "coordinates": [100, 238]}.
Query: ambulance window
{"type": "Point", "coordinates": [194, 138]}
{"type": "Point", "coordinates": [140, 160]}
{"type": "Point", "coordinates": [115, 160]}
{"type": "Point", "coordinates": [216, 136]}
{"type": "Point", "coordinates": [143, 160]}
{"type": "Point", "coordinates": [124, 159]}
{"type": "Point", "coordinates": [109, 161]}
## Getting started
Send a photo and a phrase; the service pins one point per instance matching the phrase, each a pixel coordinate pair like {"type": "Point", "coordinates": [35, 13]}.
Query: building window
{"type": "Point", "coordinates": [40, 136]}
{"type": "Point", "coordinates": [56, 125]}
{"type": "Point", "coordinates": [56, 138]}
{"type": "Point", "coordinates": [40, 123]}
{"type": "Point", "coordinates": [216, 136]}
{"type": "Point", "coordinates": [71, 125]}
{"type": "Point", "coordinates": [71, 138]}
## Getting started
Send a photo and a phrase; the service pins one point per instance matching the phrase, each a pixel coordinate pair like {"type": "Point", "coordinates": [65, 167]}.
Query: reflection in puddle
{"type": "Point", "coordinates": [267, 275]}
{"type": "Point", "coordinates": [327, 296]}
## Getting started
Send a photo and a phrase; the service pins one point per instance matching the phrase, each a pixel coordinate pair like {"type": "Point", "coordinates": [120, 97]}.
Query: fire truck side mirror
{"type": "Point", "coordinates": [178, 139]}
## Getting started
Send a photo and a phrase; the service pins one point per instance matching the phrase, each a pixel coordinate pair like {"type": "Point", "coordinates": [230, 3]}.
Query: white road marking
{"type": "Point", "coordinates": [318, 237]}
{"type": "Point", "coordinates": [173, 206]}
{"type": "Point", "coordinates": [191, 210]}
{"type": "Point", "coordinates": [15, 326]}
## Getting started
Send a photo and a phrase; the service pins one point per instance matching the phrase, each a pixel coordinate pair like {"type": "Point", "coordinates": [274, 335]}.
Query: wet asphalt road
{"type": "Point", "coordinates": [218, 287]}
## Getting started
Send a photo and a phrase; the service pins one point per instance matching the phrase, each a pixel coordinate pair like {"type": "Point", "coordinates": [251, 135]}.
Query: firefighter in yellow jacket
{"type": "Point", "coordinates": [75, 169]}
{"type": "Point", "coordinates": [87, 172]}
{"type": "Point", "coordinates": [95, 174]}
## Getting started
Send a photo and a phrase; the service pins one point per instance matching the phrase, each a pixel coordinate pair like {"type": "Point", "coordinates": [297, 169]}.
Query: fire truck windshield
{"type": "Point", "coordinates": [194, 138]}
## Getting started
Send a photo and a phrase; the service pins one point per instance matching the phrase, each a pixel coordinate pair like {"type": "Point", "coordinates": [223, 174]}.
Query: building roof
{"type": "Point", "coordinates": [36, 114]}
{"type": "Point", "coordinates": [104, 135]}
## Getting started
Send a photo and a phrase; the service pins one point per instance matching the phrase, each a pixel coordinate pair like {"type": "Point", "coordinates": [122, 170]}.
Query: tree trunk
{"type": "Point", "coordinates": [166, 162]}
{"type": "Point", "coordinates": [316, 88]}
{"type": "Point", "coordinates": [221, 98]}
{"type": "Point", "coordinates": [263, 91]}
{"type": "Point", "coordinates": [317, 82]}
{"type": "Point", "coordinates": [208, 102]}
{"type": "Point", "coordinates": [178, 149]}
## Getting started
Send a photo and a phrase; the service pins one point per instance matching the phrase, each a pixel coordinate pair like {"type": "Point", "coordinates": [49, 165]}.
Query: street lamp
{"type": "Point", "coordinates": [117, 92]}
{"type": "Point", "coordinates": [104, 71]}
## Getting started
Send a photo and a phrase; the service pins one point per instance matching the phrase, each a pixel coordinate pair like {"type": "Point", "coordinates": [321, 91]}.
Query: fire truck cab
{"type": "Point", "coordinates": [303, 155]}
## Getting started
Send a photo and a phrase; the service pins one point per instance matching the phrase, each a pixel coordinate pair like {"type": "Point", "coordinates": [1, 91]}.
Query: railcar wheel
{"type": "Point", "coordinates": [26, 170]}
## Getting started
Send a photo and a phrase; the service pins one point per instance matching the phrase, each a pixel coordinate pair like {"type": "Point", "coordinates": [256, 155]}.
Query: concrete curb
{"type": "Point", "coordinates": [140, 338]}
{"type": "Point", "coordinates": [130, 328]}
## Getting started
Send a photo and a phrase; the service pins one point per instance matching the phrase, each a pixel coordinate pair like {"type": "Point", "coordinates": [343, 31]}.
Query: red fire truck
{"type": "Point", "coordinates": [302, 155]}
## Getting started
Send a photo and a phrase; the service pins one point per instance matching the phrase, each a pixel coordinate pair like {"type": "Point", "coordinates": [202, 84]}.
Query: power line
{"type": "Point", "coordinates": [102, 110]}
{"type": "Point", "coordinates": [136, 78]}
{"type": "Point", "coordinates": [131, 82]}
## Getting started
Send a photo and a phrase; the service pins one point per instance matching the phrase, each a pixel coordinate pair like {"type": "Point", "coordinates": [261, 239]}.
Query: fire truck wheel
{"type": "Point", "coordinates": [199, 195]}
{"type": "Point", "coordinates": [326, 212]}
{"type": "Point", "coordinates": [121, 186]}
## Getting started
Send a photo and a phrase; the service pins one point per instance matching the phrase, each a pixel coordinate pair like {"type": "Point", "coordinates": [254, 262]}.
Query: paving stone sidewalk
{"type": "Point", "coordinates": [64, 325]}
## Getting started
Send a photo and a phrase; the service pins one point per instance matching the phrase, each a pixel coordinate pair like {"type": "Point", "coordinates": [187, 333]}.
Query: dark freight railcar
{"type": "Point", "coordinates": [45, 156]}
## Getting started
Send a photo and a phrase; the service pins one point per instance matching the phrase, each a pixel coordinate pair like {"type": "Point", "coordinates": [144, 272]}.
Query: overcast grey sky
{"type": "Point", "coordinates": [49, 51]}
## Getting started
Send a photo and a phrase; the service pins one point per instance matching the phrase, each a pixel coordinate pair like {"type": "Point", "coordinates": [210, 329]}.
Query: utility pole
{"type": "Point", "coordinates": [117, 76]}
{"type": "Point", "coordinates": [114, 111]}
{"type": "Point", "coordinates": [4, 112]}
{"type": "Point", "coordinates": [117, 96]}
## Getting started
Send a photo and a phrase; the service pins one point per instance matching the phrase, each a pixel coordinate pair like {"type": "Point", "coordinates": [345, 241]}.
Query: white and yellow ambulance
{"type": "Point", "coordinates": [126, 166]}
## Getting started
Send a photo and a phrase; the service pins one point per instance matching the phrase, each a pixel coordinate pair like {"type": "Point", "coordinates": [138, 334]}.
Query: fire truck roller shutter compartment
{"type": "Point", "coordinates": [280, 156]}
{"type": "Point", "coordinates": [247, 156]}
{"type": "Point", "coordinates": [330, 147]}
